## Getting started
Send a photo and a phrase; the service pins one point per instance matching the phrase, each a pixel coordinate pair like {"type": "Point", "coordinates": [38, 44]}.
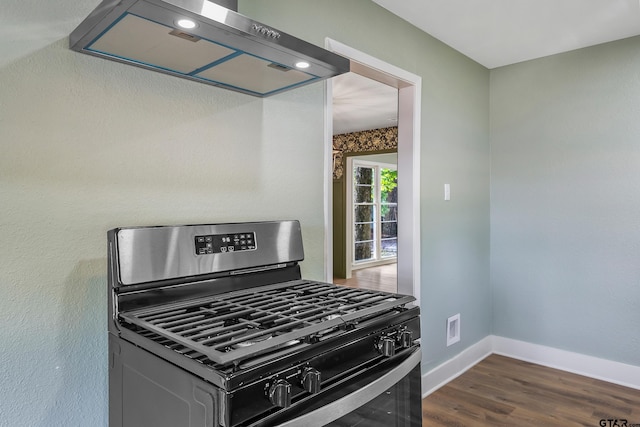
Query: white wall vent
{"type": "Point", "coordinates": [453, 329]}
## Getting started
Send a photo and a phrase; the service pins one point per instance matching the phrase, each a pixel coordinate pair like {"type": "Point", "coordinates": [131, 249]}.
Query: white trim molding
{"type": "Point", "coordinates": [456, 366]}
{"type": "Point", "coordinates": [576, 363]}
{"type": "Point", "coordinates": [581, 364]}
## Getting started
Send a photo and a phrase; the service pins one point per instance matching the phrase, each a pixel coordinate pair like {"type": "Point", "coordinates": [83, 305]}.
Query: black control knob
{"type": "Point", "coordinates": [405, 338]}
{"type": "Point", "coordinates": [311, 380]}
{"type": "Point", "coordinates": [280, 394]}
{"type": "Point", "coordinates": [387, 346]}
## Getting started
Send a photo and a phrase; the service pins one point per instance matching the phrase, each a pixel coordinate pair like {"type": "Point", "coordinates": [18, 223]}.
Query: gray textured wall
{"type": "Point", "coordinates": [88, 145]}
{"type": "Point", "coordinates": [565, 201]}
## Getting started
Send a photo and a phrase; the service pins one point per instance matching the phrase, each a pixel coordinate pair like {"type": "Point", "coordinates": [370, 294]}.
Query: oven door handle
{"type": "Point", "coordinates": [341, 407]}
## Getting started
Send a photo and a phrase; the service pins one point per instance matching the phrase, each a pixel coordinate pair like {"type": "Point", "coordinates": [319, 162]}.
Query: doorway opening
{"type": "Point", "coordinates": [366, 256]}
{"type": "Point", "coordinates": [364, 147]}
{"type": "Point", "coordinates": [408, 88]}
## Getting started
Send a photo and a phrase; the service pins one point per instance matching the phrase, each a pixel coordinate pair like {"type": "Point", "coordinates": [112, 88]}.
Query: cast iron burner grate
{"type": "Point", "coordinates": [231, 327]}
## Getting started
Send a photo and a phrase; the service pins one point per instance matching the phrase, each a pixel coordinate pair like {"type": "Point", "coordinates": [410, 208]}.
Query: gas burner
{"type": "Point", "coordinates": [342, 310]}
{"type": "Point", "coordinates": [250, 341]}
{"type": "Point", "coordinates": [253, 341]}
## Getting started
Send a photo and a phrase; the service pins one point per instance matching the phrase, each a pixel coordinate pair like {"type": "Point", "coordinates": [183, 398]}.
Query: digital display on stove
{"type": "Point", "coordinates": [223, 243]}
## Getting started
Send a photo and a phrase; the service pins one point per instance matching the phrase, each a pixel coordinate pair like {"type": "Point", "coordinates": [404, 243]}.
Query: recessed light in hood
{"type": "Point", "coordinates": [203, 41]}
{"type": "Point", "coordinates": [186, 23]}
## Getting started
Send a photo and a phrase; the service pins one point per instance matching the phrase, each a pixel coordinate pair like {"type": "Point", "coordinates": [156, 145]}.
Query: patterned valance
{"type": "Point", "coordinates": [355, 142]}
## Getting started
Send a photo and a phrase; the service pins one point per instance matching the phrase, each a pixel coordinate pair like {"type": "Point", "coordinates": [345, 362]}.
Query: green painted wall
{"type": "Point", "coordinates": [339, 229]}
{"type": "Point", "coordinates": [454, 150]}
{"type": "Point", "coordinates": [565, 205]}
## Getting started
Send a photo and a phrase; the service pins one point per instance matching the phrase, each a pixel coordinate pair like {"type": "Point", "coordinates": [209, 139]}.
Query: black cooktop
{"type": "Point", "coordinates": [233, 326]}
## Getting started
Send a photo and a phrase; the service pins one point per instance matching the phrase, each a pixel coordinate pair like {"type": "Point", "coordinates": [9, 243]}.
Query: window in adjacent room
{"type": "Point", "coordinates": [375, 212]}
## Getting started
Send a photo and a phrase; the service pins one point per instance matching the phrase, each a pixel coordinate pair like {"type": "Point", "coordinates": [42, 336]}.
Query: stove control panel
{"type": "Point", "coordinates": [311, 379]}
{"type": "Point", "coordinates": [387, 344]}
{"type": "Point", "coordinates": [280, 394]}
{"type": "Point", "coordinates": [224, 243]}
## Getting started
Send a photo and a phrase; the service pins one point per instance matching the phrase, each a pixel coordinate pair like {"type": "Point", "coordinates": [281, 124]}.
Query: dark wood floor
{"type": "Point", "coordinates": [500, 391]}
{"type": "Point", "coordinates": [381, 278]}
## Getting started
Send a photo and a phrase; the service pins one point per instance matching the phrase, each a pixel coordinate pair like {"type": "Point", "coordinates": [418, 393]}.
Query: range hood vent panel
{"type": "Point", "coordinates": [140, 40]}
{"type": "Point", "coordinates": [225, 48]}
{"type": "Point", "coordinates": [254, 74]}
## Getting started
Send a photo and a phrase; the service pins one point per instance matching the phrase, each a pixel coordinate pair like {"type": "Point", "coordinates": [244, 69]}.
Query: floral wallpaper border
{"type": "Point", "coordinates": [355, 142]}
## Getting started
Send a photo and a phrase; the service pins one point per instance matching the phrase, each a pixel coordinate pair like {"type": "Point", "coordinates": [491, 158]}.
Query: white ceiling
{"type": "Point", "coordinates": [501, 32]}
{"type": "Point", "coordinates": [360, 103]}
{"type": "Point", "coordinates": [493, 33]}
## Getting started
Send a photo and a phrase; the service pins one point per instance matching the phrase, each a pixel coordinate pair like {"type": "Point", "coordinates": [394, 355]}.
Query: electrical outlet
{"type": "Point", "coordinates": [453, 329]}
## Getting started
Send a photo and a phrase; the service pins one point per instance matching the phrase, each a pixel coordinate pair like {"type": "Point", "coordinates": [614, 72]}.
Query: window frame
{"type": "Point", "coordinates": [377, 219]}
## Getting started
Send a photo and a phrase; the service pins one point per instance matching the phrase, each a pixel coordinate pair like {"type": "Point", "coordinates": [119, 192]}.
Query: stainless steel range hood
{"type": "Point", "coordinates": [204, 41]}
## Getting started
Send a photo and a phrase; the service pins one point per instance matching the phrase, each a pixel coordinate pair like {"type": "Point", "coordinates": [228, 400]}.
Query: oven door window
{"type": "Point", "coordinates": [388, 397]}
{"type": "Point", "coordinates": [395, 407]}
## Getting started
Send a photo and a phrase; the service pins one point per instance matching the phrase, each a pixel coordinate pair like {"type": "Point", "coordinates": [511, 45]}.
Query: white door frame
{"type": "Point", "coordinates": [409, 88]}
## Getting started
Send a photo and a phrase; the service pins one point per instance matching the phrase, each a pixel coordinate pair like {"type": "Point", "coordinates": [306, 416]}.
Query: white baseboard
{"type": "Point", "coordinates": [589, 366]}
{"type": "Point", "coordinates": [456, 366]}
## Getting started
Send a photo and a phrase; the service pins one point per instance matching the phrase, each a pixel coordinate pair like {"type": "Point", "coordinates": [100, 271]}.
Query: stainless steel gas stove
{"type": "Point", "coordinates": [212, 325]}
